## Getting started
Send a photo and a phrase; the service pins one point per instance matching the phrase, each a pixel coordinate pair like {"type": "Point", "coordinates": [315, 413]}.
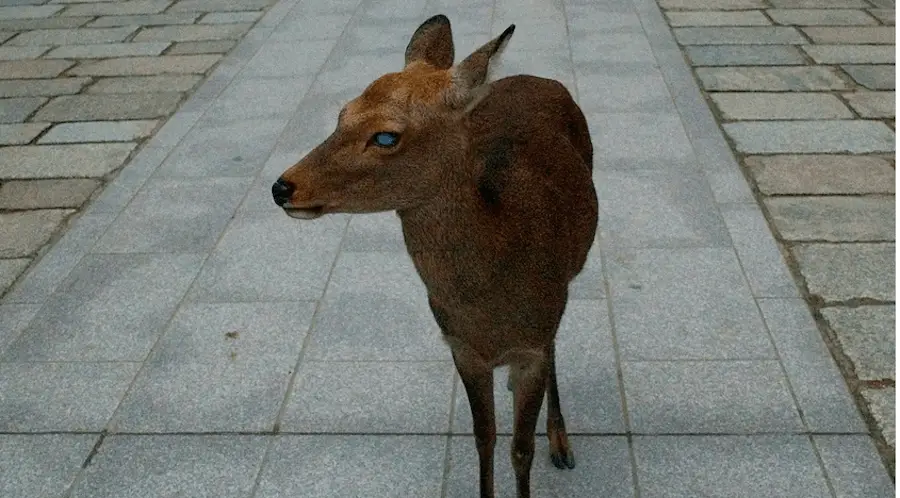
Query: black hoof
{"type": "Point", "coordinates": [563, 461]}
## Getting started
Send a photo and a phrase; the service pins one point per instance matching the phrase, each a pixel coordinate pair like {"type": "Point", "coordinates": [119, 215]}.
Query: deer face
{"type": "Point", "coordinates": [395, 144]}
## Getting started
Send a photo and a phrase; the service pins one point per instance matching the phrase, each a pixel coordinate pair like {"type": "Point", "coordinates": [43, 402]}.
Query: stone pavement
{"type": "Point", "coordinates": [185, 337]}
{"type": "Point", "coordinates": [82, 86]}
{"type": "Point", "coordinates": [805, 93]}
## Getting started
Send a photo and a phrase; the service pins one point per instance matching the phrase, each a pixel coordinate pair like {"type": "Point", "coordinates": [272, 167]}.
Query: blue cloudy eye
{"type": "Point", "coordinates": [385, 139]}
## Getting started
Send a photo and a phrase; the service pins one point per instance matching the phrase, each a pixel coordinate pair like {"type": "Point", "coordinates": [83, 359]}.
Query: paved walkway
{"type": "Point", "coordinates": [185, 337]}
{"type": "Point", "coordinates": [805, 91]}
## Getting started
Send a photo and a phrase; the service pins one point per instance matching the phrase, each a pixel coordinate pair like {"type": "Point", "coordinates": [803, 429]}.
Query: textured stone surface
{"type": "Point", "coordinates": [854, 466]}
{"type": "Point", "coordinates": [851, 35]}
{"type": "Point", "coordinates": [124, 7]}
{"type": "Point", "coordinates": [851, 54]}
{"type": "Point", "coordinates": [46, 23]}
{"type": "Point", "coordinates": [44, 465]}
{"type": "Point", "coordinates": [22, 233]}
{"type": "Point", "coordinates": [872, 104]}
{"type": "Point", "coordinates": [10, 269]}
{"type": "Point", "coordinates": [106, 107]}
{"type": "Point", "coordinates": [840, 272]}
{"type": "Point", "coordinates": [43, 194]}
{"type": "Point", "coordinates": [872, 77]}
{"type": "Point", "coordinates": [99, 131]}
{"type": "Point", "coordinates": [28, 11]}
{"type": "Point", "coordinates": [756, 35]}
{"type": "Point", "coordinates": [887, 16]}
{"type": "Point", "coordinates": [820, 17]}
{"type": "Point", "coordinates": [820, 4]}
{"type": "Point", "coordinates": [744, 55]}
{"type": "Point", "coordinates": [106, 50]}
{"type": "Point", "coordinates": [21, 133]}
{"type": "Point", "coordinates": [769, 78]}
{"type": "Point", "coordinates": [33, 69]}
{"type": "Point", "coordinates": [230, 17]}
{"type": "Point", "coordinates": [779, 137]}
{"type": "Point", "coordinates": [21, 53]}
{"type": "Point", "coordinates": [77, 36]}
{"type": "Point", "coordinates": [145, 84]}
{"type": "Point", "coordinates": [33, 88]}
{"type": "Point", "coordinates": [833, 219]}
{"type": "Point", "coordinates": [16, 110]}
{"type": "Point", "coordinates": [192, 33]}
{"type": "Point", "coordinates": [711, 4]}
{"type": "Point", "coordinates": [218, 5]}
{"type": "Point", "coordinates": [202, 47]}
{"type": "Point", "coordinates": [866, 335]}
{"type": "Point", "coordinates": [821, 174]}
{"type": "Point", "coordinates": [143, 20]}
{"type": "Point", "coordinates": [55, 161]}
{"type": "Point", "coordinates": [882, 405]}
{"type": "Point", "coordinates": [714, 18]}
{"type": "Point", "coordinates": [144, 66]}
{"type": "Point", "coordinates": [780, 106]}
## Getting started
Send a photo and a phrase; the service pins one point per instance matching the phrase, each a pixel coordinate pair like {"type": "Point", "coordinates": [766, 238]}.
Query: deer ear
{"type": "Point", "coordinates": [472, 71]}
{"type": "Point", "coordinates": [432, 43]}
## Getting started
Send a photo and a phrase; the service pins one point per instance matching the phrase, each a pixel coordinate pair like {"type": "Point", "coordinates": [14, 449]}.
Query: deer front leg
{"type": "Point", "coordinates": [530, 384]}
{"type": "Point", "coordinates": [560, 451]}
{"type": "Point", "coordinates": [479, 383]}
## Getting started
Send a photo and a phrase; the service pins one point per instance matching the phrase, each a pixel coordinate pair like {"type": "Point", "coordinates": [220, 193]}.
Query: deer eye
{"type": "Point", "coordinates": [385, 139]}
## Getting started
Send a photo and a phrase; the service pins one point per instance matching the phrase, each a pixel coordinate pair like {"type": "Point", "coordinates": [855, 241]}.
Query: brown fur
{"type": "Point", "coordinates": [498, 211]}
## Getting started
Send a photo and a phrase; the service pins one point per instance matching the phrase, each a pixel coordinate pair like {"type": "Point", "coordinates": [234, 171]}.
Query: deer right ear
{"type": "Point", "coordinates": [432, 43]}
{"type": "Point", "coordinates": [472, 71]}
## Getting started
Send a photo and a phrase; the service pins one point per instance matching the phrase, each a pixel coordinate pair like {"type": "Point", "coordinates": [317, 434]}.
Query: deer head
{"type": "Point", "coordinates": [395, 145]}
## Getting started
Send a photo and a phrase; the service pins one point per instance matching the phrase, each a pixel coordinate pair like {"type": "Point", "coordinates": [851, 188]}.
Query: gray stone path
{"type": "Point", "coordinates": [184, 337]}
{"type": "Point", "coordinates": [82, 86]}
{"type": "Point", "coordinates": [805, 92]}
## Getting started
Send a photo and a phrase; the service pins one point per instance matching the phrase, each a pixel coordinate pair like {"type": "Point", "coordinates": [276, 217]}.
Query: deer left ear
{"type": "Point", "coordinates": [432, 43]}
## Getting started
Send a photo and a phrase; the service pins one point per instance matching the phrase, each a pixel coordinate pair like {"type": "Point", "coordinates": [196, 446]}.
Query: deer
{"type": "Point", "coordinates": [492, 182]}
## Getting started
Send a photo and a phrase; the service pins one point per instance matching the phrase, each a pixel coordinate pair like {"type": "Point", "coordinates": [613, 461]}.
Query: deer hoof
{"type": "Point", "coordinates": [563, 461]}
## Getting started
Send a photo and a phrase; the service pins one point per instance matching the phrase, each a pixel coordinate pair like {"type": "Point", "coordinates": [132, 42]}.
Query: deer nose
{"type": "Point", "coordinates": [282, 191]}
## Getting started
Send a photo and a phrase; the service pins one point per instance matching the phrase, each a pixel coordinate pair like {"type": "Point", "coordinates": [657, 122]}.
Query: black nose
{"type": "Point", "coordinates": [282, 191]}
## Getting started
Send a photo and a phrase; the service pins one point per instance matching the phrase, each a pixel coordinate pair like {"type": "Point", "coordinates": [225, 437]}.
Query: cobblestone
{"type": "Point", "coordinates": [886, 16]}
{"type": "Point", "coordinates": [148, 84]}
{"type": "Point", "coordinates": [851, 35]}
{"type": "Point", "coordinates": [147, 66]}
{"type": "Point", "coordinates": [22, 233]}
{"type": "Point", "coordinates": [48, 23]}
{"type": "Point", "coordinates": [99, 131]}
{"type": "Point", "coordinates": [20, 53]}
{"type": "Point", "coordinates": [872, 104]}
{"type": "Point", "coordinates": [717, 18]}
{"type": "Point", "coordinates": [744, 55]}
{"type": "Point", "coordinates": [821, 174]}
{"type": "Point", "coordinates": [144, 20]}
{"type": "Point", "coordinates": [803, 137]}
{"type": "Point", "coordinates": [202, 47]}
{"type": "Point", "coordinates": [10, 270]}
{"type": "Point", "coordinates": [109, 107]}
{"type": "Point", "coordinates": [15, 110]}
{"type": "Point", "coordinates": [866, 335]}
{"type": "Point", "coordinates": [44, 194]}
{"type": "Point", "coordinates": [193, 33]}
{"type": "Point", "coordinates": [757, 35]}
{"type": "Point", "coordinates": [841, 272]}
{"type": "Point", "coordinates": [29, 11]}
{"type": "Point", "coordinates": [833, 219]}
{"type": "Point", "coordinates": [821, 17]}
{"type": "Point", "coordinates": [772, 79]}
{"type": "Point", "coordinates": [37, 88]}
{"type": "Point", "coordinates": [780, 106]}
{"type": "Point", "coordinates": [33, 69]}
{"type": "Point", "coordinates": [850, 54]}
{"type": "Point", "coordinates": [230, 17]}
{"type": "Point", "coordinates": [121, 7]}
{"type": "Point", "coordinates": [62, 161]}
{"type": "Point", "coordinates": [77, 36]}
{"type": "Point", "coordinates": [106, 50]}
{"type": "Point", "coordinates": [20, 133]}
{"type": "Point", "coordinates": [882, 405]}
{"type": "Point", "coordinates": [872, 77]}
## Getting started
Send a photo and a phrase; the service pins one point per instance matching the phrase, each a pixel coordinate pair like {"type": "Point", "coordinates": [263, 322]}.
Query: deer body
{"type": "Point", "coordinates": [492, 183]}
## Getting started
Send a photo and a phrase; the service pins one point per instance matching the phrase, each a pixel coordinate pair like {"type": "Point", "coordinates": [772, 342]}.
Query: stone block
{"type": "Point", "coordinates": [219, 5]}
{"type": "Point", "coordinates": [882, 405]}
{"type": "Point", "coordinates": [17, 109]}
{"type": "Point", "coordinates": [43, 194]}
{"type": "Point", "coordinates": [99, 131]}
{"type": "Point", "coordinates": [759, 254]}
{"type": "Point", "coordinates": [851, 460]}
{"type": "Point", "coordinates": [744, 55]}
{"type": "Point", "coordinates": [42, 465]}
{"type": "Point", "coordinates": [146, 66]}
{"type": "Point", "coordinates": [765, 106]}
{"type": "Point", "coordinates": [193, 465]}
{"type": "Point", "coordinates": [202, 47]}
{"type": "Point", "coordinates": [10, 269]}
{"type": "Point", "coordinates": [821, 174]}
{"type": "Point", "coordinates": [774, 79]}
{"type": "Point", "coordinates": [37, 88]}
{"type": "Point", "coordinates": [193, 32]}
{"type": "Point", "coordinates": [711, 4]}
{"type": "Point", "coordinates": [109, 107]}
{"type": "Point", "coordinates": [145, 84]}
{"type": "Point", "coordinates": [821, 17]}
{"type": "Point", "coordinates": [820, 4]}
{"type": "Point", "coordinates": [833, 218]}
{"type": "Point", "coordinates": [639, 136]}
{"type": "Point", "coordinates": [29, 11]}
{"type": "Point", "coordinates": [757, 35]}
{"type": "Point", "coordinates": [46, 23]}
{"type": "Point", "coordinates": [62, 161]}
{"type": "Point", "coordinates": [887, 16]}
{"type": "Point", "coordinates": [852, 35]}
{"type": "Point", "coordinates": [22, 233]}
{"type": "Point", "coordinates": [734, 466]}
{"type": "Point", "coordinates": [717, 18]}
{"type": "Point", "coordinates": [802, 137]}
{"type": "Point", "coordinates": [70, 396]}
{"type": "Point", "coordinates": [106, 50]}
{"type": "Point", "coordinates": [230, 17]}
{"type": "Point", "coordinates": [123, 7]}
{"type": "Point", "coordinates": [21, 53]}
{"type": "Point", "coordinates": [881, 77]}
{"type": "Point", "coordinates": [77, 36]}
{"type": "Point", "coordinates": [20, 133]}
{"type": "Point", "coordinates": [866, 336]}
{"type": "Point", "coordinates": [851, 54]}
{"type": "Point", "coordinates": [841, 272]}
{"type": "Point", "coordinates": [413, 464]}
{"type": "Point", "coordinates": [144, 20]}
{"type": "Point", "coordinates": [10, 70]}
{"type": "Point", "coordinates": [679, 397]}
{"type": "Point", "coordinates": [872, 104]}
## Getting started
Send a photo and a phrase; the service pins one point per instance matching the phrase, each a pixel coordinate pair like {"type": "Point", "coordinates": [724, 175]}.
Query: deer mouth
{"type": "Point", "coordinates": [306, 212]}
